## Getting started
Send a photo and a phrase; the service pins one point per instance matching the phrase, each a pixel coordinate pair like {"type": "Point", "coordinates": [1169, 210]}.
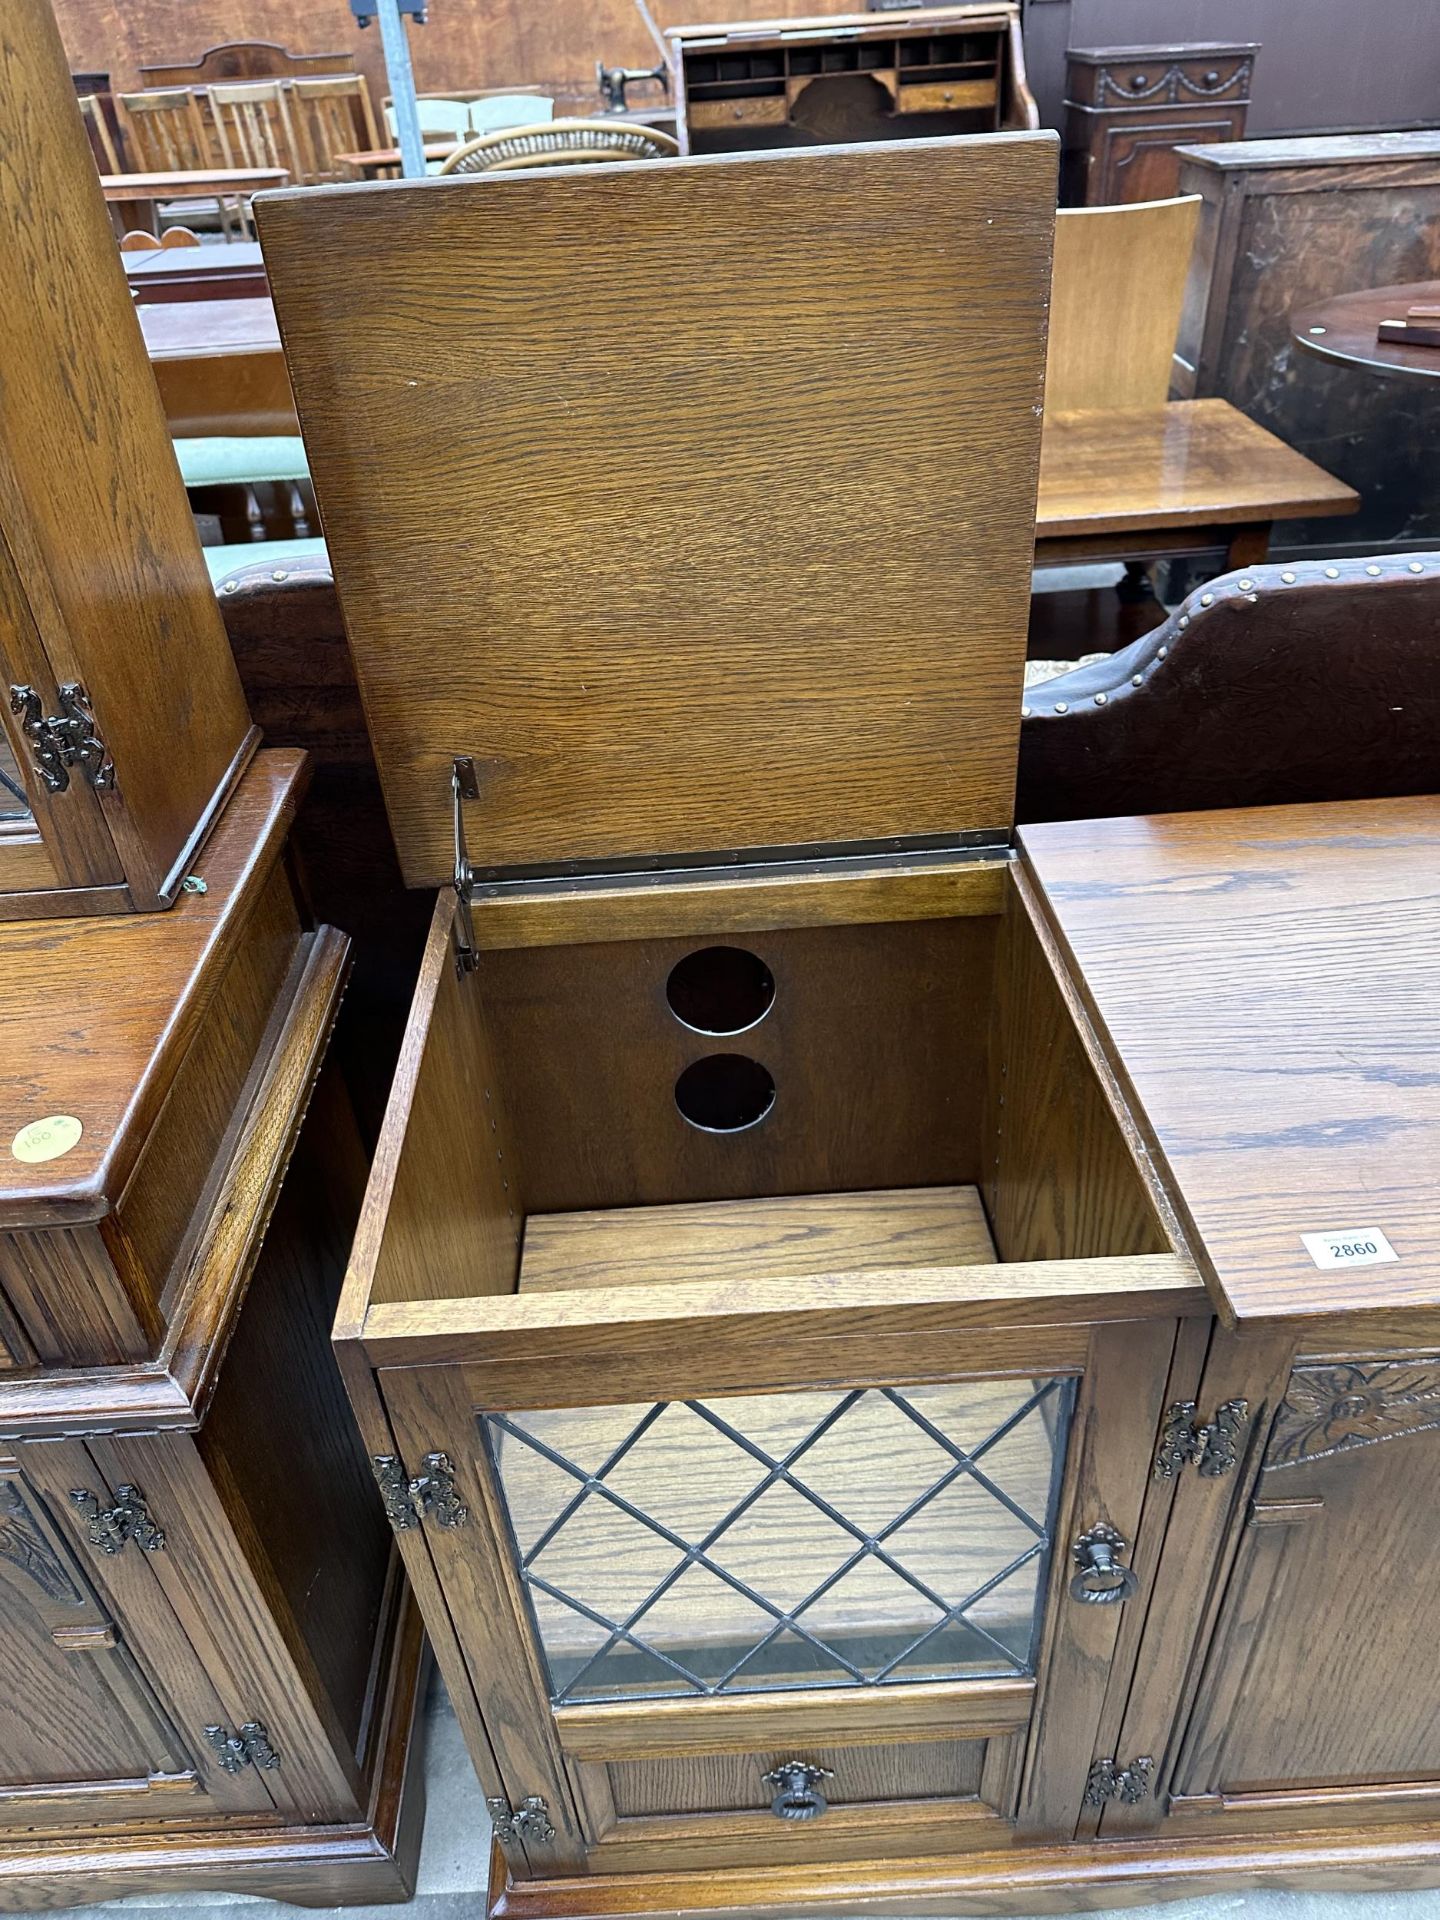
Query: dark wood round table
{"type": "Point", "coordinates": [1344, 329]}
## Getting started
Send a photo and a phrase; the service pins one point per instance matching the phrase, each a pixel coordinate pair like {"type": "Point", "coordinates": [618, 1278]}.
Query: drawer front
{"type": "Point", "coordinates": [948, 96]}
{"type": "Point", "coordinates": [800, 1801]}
{"type": "Point", "coordinates": [752, 1782]}
{"type": "Point", "coordinates": [712, 115]}
{"type": "Point", "coordinates": [1163, 79]}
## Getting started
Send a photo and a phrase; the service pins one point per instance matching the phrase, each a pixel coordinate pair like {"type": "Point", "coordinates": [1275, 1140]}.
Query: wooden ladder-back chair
{"type": "Point", "coordinates": [559, 143]}
{"type": "Point", "coordinates": [252, 118]}
{"type": "Point", "coordinates": [329, 116]}
{"type": "Point", "coordinates": [167, 132]}
{"type": "Point", "coordinates": [102, 142]}
{"type": "Point", "coordinates": [252, 121]}
{"type": "Point", "coordinates": [1116, 289]}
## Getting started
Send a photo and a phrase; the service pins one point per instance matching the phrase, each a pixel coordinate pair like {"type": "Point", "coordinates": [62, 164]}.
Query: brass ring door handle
{"type": "Point", "coordinates": [1102, 1581]}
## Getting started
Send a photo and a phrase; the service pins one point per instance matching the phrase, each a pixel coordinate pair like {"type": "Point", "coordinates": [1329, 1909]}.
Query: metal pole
{"type": "Point", "coordinates": [402, 88]}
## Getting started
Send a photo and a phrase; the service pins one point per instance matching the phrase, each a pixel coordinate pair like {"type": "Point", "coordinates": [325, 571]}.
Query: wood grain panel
{"type": "Point", "coordinates": [1354, 1715]}
{"type": "Point", "coordinates": [1269, 979]}
{"type": "Point", "coordinates": [442, 1211]}
{"type": "Point", "coordinates": [1065, 1175]}
{"type": "Point", "coordinates": [785, 636]}
{"type": "Point", "coordinates": [1181, 465]}
{"type": "Point", "coordinates": [805, 1233]}
{"type": "Point", "coordinates": [617, 1729]}
{"type": "Point", "coordinates": [96, 520]}
{"type": "Point", "coordinates": [112, 1005]}
{"type": "Point", "coordinates": [875, 1042]}
{"type": "Point", "coordinates": [1115, 303]}
{"type": "Point", "coordinates": [734, 1782]}
{"type": "Point", "coordinates": [836, 894]}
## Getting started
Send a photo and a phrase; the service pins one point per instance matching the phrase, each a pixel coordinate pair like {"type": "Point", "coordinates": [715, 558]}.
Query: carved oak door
{"type": "Point", "coordinates": [84, 1734]}
{"type": "Point", "coordinates": [1317, 1702]}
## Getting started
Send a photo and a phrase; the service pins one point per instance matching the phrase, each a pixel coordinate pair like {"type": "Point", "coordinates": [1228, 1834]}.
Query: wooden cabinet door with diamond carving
{"type": "Point", "coordinates": [85, 1735]}
{"type": "Point", "coordinates": [1315, 1706]}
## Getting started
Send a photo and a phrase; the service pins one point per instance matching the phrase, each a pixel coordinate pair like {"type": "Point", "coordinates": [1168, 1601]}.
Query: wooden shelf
{"type": "Point", "coordinates": [797, 1234]}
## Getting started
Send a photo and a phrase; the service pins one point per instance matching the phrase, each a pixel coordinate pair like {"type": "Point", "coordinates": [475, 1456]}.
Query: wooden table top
{"type": "Point", "coordinates": [196, 329]}
{"type": "Point", "coordinates": [199, 185]}
{"type": "Point", "coordinates": [368, 159]}
{"type": "Point", "coordinates": [1270, 979]}
{"type": "Point", "coordinates": [1344, 329]}
{"type": "Point", "coordinates": [1186, 463]}
{"type": "Point", "coordinates": [219, 258]}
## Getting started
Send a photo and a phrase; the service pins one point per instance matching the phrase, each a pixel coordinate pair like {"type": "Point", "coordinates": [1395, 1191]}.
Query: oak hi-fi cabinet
{"type": "Point", "coordinates": [210, 1658]}
{"type": "Point", "coordinates": [822, 1417]}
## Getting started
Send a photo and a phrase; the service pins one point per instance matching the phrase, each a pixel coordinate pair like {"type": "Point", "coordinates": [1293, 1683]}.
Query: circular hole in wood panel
{"type": "Point", "coordinates": [720, 990]}
{"type": "Point", "coordinates": [724, 1093]}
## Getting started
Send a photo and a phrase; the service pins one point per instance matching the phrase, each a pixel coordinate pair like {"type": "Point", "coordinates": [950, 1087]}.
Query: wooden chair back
{"type": "Point", "coordinates": [252, 120]}
{"type": "Point", "coordinates": [1116, 289]}
{"type": "Point", "coordinates": [245, 60]}
{"type": "Point", "coordinates": [167, 131]}
{"type": "Point", "coordinates": [559, 143]}
{"type": "Point", "coordinates": [328, 116]}
{"type": "Point", "coordinates": [98, 129]}
{"type": "Point", "coordinates": [442, 117]}
{"type": "Point", "coordinates": [1317, 681]}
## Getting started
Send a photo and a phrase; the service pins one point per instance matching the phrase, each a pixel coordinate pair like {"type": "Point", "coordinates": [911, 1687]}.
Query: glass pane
{"type": "Point", "coordinates": [13, 804]}
{"type": "Point", "coordinates": [771, 1541]}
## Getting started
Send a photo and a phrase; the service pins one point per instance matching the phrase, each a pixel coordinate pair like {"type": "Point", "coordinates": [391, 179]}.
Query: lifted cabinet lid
{"type": "Point", "coordinates": [694, 500]}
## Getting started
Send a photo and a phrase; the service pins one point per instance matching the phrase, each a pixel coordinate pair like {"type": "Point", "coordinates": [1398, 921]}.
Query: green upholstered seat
{"type": "Point", "coordinates": [220, 460]}
{"type": "Point", "coordinates": [258, 553]}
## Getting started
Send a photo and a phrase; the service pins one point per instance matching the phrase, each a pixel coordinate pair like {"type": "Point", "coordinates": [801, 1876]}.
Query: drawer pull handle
{"type": "Point", "coordinates": [797, 1790]}
{"type": "Point", "coordinates": [1102, 1581]}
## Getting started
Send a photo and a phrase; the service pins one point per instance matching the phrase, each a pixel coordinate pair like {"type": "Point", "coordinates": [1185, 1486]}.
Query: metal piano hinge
{"type": "Point", "coordinates": [109, 1528]}
{"type": "Point", "coordinates": [1106, 1781]}
{"type": "Point", "coordinates": [249, 1748]}
{"type": "Point", "coordinates": [1214, 1448]}
{"type": "Point", "coordinates": [529, 1821]}
{"type": "Point", "coordinates": [430, 1493]}
{"type": "Point", "coordinates": [65, 739]}
{"type": "Point", "coordinates": [464, 785]}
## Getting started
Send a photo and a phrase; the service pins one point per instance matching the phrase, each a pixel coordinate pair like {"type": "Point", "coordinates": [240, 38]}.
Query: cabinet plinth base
{"type": "Point", "coordinates": [1020, 1880]}
{"type": "Point", "coordinates": [350, 1863]}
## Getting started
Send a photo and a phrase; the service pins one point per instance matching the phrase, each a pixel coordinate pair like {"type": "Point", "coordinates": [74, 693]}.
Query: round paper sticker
{"type": "Point", "coordinates": [46, 1139]}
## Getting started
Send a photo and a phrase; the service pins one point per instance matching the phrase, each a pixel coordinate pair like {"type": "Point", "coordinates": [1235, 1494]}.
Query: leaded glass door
{"type": "Point", "coordinates": [808, 1623]}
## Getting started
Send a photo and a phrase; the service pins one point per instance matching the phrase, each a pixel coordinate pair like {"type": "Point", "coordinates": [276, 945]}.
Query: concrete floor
{"type": "Point", "coordinates": [454, 1861]}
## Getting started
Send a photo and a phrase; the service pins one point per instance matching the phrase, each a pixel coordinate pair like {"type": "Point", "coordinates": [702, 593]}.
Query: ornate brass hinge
{"type": "Point", "coordinates": [431, 1493]}
{"type": "Point", "coordinates": [1106, 1781]}
{"type": "Point", "coordinates": [109, 1528]}
{"type": "Point", "coordinates": [1213, 1448]}
{"type": "Point", "coordinates": [65, 739]}
{"type": "Point", "coordinates": [529, 1821]}
{"type": "Point", "coordinates": [464, 785]}
{"type": "Point", "coordinates": [249, 1748]}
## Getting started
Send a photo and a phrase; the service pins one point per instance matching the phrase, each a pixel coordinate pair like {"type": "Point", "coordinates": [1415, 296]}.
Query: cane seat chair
{"type": "Point", "coordinates": [559, 143]}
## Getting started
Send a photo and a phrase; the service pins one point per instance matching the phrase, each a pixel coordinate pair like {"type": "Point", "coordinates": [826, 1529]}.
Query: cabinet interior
{"type": "Point", "coordinates": [903, 1093]}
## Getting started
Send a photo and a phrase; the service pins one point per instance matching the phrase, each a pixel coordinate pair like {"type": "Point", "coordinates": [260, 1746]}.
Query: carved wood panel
{"type": "Point", "coordinates": [1309, 1711]}
{"type": "Point", "coordinates": [85, 1735]}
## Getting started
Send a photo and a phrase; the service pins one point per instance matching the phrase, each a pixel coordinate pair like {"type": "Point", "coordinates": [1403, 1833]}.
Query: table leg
{"type": "Point", "coordinates": [135, 216]}
{"type": "Point", "coordinates": [1248, 546]}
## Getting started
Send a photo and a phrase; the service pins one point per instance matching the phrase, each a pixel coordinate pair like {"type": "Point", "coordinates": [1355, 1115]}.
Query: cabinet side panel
{"type": "Point", "coordinates": [203, 1104]}
{"type": "Point", "coordinates": [279, 1440]}
{"type": "Point", "coordinates": [95, 513]}
{"type": "Point", "coordinates": [1061, 1179]}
